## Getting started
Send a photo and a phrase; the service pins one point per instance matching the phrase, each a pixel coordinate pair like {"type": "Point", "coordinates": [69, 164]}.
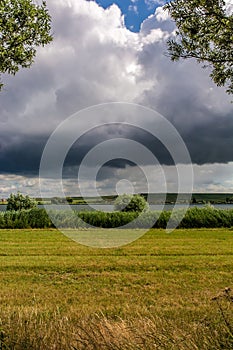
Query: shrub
{"type": "Point", "coordinates": [20, 202]}
{"type": "Point", "coordinates": [127, 202]}
{"type": "Point", "coordinates": [38, 218]}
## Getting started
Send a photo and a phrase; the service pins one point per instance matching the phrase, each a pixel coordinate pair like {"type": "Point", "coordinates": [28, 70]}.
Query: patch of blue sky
{"type": "Point", "coordinates": [134, 11]}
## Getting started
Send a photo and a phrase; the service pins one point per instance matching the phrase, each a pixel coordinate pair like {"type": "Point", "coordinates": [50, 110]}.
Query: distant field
{"type": "Point", "coordinates": [155, 198]}
{"type": "Point", "coordinates": [56, 294]}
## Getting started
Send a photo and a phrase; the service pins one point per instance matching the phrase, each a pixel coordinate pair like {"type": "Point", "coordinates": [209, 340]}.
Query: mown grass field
{"type": "Point", "coordinates": [57, 294]}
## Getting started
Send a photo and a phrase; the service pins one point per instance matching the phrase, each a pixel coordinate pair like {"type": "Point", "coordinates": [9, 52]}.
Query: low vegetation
{"type": "Point", "coordinates": [20, 202]}
{"type": "Point", "coordinates": [128, 203]}
{"type": "Point", "coordinates": [208, 217]}
{"type": "Point", "coordinates": [164, 291]}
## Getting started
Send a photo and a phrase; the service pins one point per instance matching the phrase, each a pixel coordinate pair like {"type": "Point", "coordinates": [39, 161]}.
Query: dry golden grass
{"type": "Point", "coordinates": [28, 329]}
{"type": "Point", "coordinates": [161, 292]}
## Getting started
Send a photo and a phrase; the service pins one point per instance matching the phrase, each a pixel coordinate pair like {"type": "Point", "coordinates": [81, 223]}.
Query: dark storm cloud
{"type": "Point", "coordinates": [21, 155]}
{"type": "Point", "coordinates": [210, 142]}
{"type": "Point", "coordinates": [206, 142]}
{"type": "Point", "coordinates": [95, 59]}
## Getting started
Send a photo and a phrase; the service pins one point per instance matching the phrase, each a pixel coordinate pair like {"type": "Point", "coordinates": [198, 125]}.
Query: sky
{"type": "Point", "coordinates": [134, 11]}
{"type": "Point", "coordinates": [110, 51]}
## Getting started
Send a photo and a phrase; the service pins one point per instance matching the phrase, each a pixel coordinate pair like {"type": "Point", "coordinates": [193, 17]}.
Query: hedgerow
{"type": "Point", "coordinates": [206, 217]}
{"type": "Point", "coordinates": [33, 218]}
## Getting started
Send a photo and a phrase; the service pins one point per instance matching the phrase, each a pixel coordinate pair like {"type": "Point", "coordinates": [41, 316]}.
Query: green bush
{"type": "Point", "coordinates": [128, 202]}
{"type": "Point", "coordinates": [20, 202]}
{"type": "Point", "coordinates": [33, 218]}
{"type": "Point", "coordinates": [107, 220]}
{"type": "Point", "coordinates": [207, 217]}
{"type": "Point", "coordinates": [38, 218]}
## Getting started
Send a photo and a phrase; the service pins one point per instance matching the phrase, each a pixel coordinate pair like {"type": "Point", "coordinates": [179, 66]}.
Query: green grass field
{"type": "Point", "coordinates": [57, 294]}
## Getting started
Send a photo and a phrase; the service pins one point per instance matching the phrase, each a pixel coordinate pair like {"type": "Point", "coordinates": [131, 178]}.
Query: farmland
{"type": "Point", "coordinates": [56, 294]}
{"type": "Point", "coordinates": [155, 198]}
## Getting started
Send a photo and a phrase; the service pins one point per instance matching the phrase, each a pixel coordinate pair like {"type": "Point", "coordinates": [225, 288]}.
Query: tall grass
{"type": "Point", "coordinates": [30, 329]}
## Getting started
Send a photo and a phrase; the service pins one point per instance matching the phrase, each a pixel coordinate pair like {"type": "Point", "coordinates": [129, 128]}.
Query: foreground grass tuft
{"type": "Point", "coordinates": [33, 330]}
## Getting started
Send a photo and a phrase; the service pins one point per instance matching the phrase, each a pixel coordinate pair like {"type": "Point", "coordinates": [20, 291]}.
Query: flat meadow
{"type": "Point", "coordinates": [163, 291]}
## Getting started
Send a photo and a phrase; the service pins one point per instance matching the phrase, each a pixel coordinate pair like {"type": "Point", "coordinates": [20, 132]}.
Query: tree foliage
{"type": "Point", "coordinates": [24, 26]}
{"type": "Point", "coordinates": [204, 32]}
{"type": "Point", "coordinates": [18, 202]}
{"type": "Point", "coordinates": [127, 202]}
